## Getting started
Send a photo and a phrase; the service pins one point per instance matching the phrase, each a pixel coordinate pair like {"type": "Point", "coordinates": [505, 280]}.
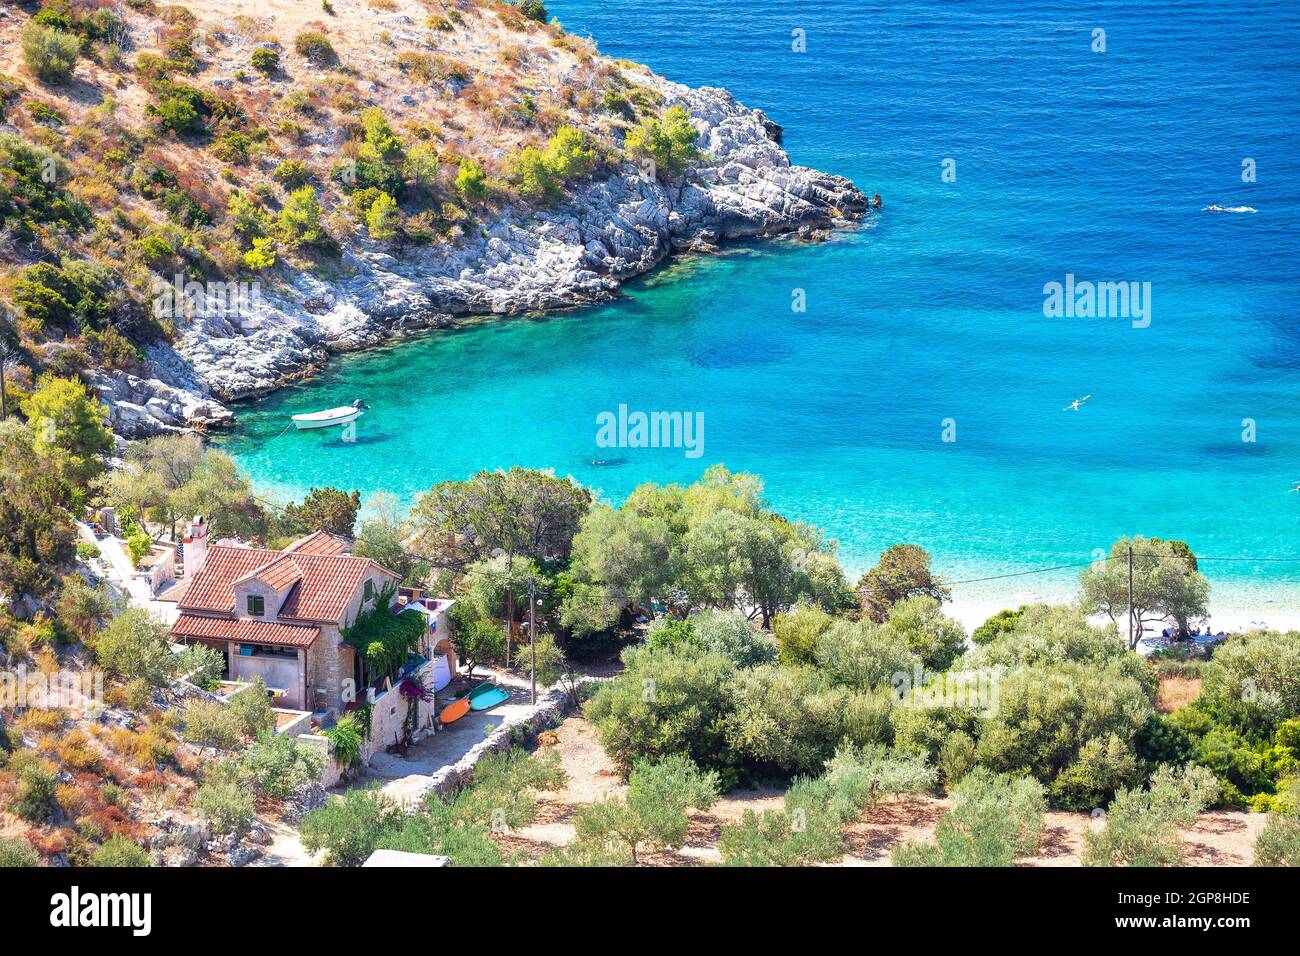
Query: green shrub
{"type": "Point", "coordinates": [234, 147]}
{"type": "Point", "coordinates": [724, 632]}
{"type": "Point", "coordinates": [49, 53]}
{"type": "Point", "coordinates": [652, 816]}
{"type": "Point", "coordinates": [786, 720]}
{"type": "Point", "coordinates": [383, 219]}
{"type": "Point", "coordinates": [1278, 844]}
{"type": "Point", "coordinates": [936, 639]}
{"type": "Point", "coordinates": [281, 766]}
{"type": "Point", "coordinates": [350, 827]}
{"type": "Point", "coordinates": [1046, 715]}
{"type": "Point", "coordinates": [292, 174]}
{"type": "Point", "coordinates": [138, 546]}
{"type": "Point", "coordinates": [119, 852]}
{"type": "Point", "coordinates": [208, 724]}
{"type": "Point", "coordinates": [299, 222]}
{"type": "Point", "coordinates": [251, 710]}
{"type": "Point", "coordinates": [534, 10]}
{"type": "Point", "coordinates": [542, 173]}
{"type": "Point", "coordinates": [203, 664]}
{"type": "Point", "coordinates": [35, 799]}
{"type": "Point", "coordinates": [133, 646]}
{"type": "Point", "coordinates": [957, 757]}
{"type": "Point", "coordinates": [228, 807]}
{"type": "Point", "coordinates": [797, 632]}
{"type": "Point", "coordinates": [667, 144]}
{"type": "Point", "coordinates": [810, 828]}
{"type": "Point", "coordinates": [265, 60]}
{"type": "Point", "coordinates": [1000, 623]}
{"type": "Point", "coordinates": [1100, 769]}
{"type": "Point", "coordinates": [15, 853]}
{"type": "Point", "coordinates": [346, 739]}
{"type": "Point", "coordinates": [994, 819]}
{"type": "Point", "coordinates": [316, 47]}
{"type": "Point", "coordinates": [470, 180]}
{"type": "Point", "coordinates": [33, 194]}
{"type": "Point", "coordinates": [1043, 634]}
{"type": "Point", "coordinates": [1142, 825]}
{"type": "Point", "coordinates": [261, 256]}
{"type": "Point", "coordinates": [181, 110]}
{"type": "Point", "coordinates": [1253, 683]}
{"type": "Point", "coordinates": [863, 655]}
{"type": "Point", "coordinates": [667, 703]}
{"type": "Point", "coordinates": [362, 821]}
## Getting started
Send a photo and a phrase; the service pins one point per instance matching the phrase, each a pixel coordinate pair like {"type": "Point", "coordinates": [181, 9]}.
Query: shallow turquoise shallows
{"type": "Point", "coordinates": [1068, 161]}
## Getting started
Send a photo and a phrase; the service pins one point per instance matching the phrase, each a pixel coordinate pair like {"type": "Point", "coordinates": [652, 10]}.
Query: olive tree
{"type": "Point", "coordinates": [1142, 825]}
{"type": "Point", "coordinates": [652, 816]}
{"type": "Point", "coordinates": [1048, 719]}
{"type": "Point", "coordinates": [1166, 585]}
{"type": "Point", "coordinates": [994, 819]}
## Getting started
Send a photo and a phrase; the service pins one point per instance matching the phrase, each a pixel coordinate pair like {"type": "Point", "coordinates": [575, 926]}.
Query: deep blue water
{"type": "Point", "coordinates": [1067, 160]}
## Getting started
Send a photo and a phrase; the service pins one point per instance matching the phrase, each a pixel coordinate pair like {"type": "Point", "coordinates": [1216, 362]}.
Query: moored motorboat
{"type": "Point", "coordinates": [330, 416]}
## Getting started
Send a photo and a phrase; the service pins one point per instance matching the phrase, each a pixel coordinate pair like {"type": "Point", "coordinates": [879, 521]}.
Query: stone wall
{"type": "Point", "coordinates": [522, 730]}
{"type": "Point", "coordinates": [388, 716]}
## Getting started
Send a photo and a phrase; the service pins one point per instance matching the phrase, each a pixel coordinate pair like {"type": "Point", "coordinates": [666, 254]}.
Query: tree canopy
{"type": "Point", "coordinates": [902, 571]}
{"type": "Point", "coordinates": [1166, 585]}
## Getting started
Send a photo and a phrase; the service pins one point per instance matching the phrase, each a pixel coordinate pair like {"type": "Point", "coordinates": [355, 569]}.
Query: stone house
{"type": "Point", "coordinates": [278, 615]}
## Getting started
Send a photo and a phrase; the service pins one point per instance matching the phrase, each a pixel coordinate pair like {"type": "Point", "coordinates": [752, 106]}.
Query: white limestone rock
{"type": "Point", "coordinates": [528, 260]}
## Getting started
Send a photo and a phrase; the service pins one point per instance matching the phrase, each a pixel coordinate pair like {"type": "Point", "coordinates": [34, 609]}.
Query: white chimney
{"type": "Point", "coordinates": [196, 547]}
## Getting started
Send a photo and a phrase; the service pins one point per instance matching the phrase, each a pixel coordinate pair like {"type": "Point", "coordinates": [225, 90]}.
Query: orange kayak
{"type": "Point", "coordinates": [455, 710]}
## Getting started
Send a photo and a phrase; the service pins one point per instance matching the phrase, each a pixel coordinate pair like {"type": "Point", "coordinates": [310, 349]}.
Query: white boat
{"type": "Point", "coordinates": [331, 416]}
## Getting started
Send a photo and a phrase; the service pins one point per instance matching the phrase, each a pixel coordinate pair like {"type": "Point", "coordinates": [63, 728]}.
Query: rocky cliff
{"type": "Point", "coordinates": [578, 251]}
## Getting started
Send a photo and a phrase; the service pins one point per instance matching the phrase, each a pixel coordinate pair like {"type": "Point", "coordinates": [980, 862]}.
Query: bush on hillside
{"type": "Point", "coordinates": [15, 853]}
{"type": "Point", "coordinates": [119, 852]}
{"type": "Point", "coordinates": [315, 47]}
{"type": "Point", "coordinates": [133, 646]}
{"type": "Point", "coordinates": [265, 60]}
{"type": "Point", "coordinates": [50, 54]}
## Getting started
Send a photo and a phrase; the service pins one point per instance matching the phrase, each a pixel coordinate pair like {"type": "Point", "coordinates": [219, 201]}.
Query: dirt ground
{"type": "Point", "coordinates": [1220, 838]}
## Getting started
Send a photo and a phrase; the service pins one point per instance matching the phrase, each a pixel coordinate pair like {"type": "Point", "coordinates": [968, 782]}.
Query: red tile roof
{"type": "Point", "coordinates": [319, 542]}
{"type": "Point", "coordinates": [322, 592]}
{"type": "Point", "coordinates": [245, 631]}
{"type": "Point", "coordinates": [279, 574]}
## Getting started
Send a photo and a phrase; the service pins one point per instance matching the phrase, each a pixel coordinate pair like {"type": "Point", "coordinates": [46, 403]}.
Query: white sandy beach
{"type": "Point", "coordinates": [1275, 613]}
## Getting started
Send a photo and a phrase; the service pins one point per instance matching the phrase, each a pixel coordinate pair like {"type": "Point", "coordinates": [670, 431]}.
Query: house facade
{"type": "Point", "coordinates": [278, 616]}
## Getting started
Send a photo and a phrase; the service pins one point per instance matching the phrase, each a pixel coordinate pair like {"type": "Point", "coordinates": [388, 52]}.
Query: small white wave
{"type": "Point", "coordinates": [1229, 209]}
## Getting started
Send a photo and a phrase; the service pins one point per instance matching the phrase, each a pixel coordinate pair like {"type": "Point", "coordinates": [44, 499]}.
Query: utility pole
{"type": "Point", "coordinates": [532, 634]}
{"type": "Point", "coordinates": [1130, 595]}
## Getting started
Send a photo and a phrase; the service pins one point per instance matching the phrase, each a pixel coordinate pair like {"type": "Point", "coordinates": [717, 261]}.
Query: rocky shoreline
{"type": "Point", "coordinates": [578, 252]}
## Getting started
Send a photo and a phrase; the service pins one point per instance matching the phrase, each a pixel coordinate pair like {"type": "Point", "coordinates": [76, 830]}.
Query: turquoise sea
{"type": "Point", "coordinates": [1068, 160]}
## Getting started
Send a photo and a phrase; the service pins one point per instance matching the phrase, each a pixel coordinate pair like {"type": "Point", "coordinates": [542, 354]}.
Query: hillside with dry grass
{"type": "Point", "coordinates": [276, 151]}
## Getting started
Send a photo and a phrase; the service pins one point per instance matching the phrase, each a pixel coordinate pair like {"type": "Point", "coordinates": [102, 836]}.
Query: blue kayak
{"type": "Point", "coordinates": [489, 699]}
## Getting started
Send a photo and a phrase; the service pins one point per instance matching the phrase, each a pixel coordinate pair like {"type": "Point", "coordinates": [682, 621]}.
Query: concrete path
{"type": "Point", "coordinates": [286, 848]}
{"type": "Point", "coordinates": [407, 778]}
{"type": "Point", "coordinates": [122, 574]}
